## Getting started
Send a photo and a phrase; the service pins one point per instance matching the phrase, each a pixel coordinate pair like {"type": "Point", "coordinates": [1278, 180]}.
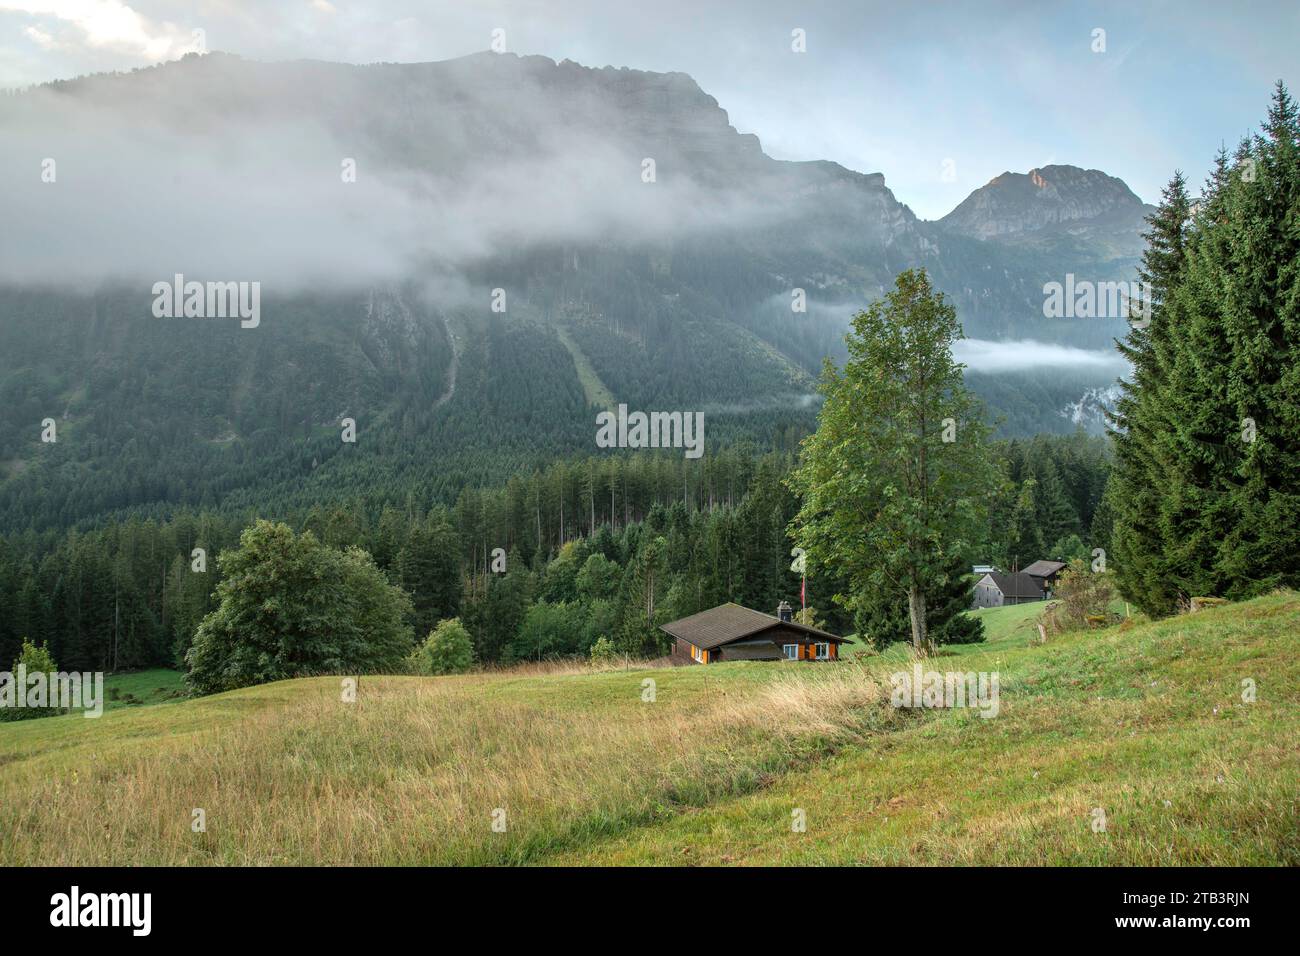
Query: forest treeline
{"type": "Point", "coordinates": [1206, 491]}
{"type": "Point", "coordinates": [541, 566]}
{"type": "Point", "coordinates": [1194, 494]}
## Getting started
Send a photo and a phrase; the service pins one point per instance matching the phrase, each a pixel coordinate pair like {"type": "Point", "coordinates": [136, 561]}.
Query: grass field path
{"type": "Point", "coordinates": [1144, 723]}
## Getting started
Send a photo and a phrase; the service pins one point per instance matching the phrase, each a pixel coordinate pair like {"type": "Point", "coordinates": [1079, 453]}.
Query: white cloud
{"type": "Point", "coordinates": [982, 355]}
{"type": "Point", "coordinates": [40, 38]}
{"type": "Point", "coordinates": [256, 188]}
{"type": "Point", "coordinates": [102, 25]}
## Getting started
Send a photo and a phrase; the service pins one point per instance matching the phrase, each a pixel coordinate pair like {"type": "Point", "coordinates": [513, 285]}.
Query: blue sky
{"type": "Point", "coordinates": [940, 97]}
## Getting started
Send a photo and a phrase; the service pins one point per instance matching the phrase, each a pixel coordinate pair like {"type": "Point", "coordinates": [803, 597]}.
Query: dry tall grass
{"type": "Point", "coordinates": [560, 667]}
{"type": "Point", "coordinates": [413, 772]}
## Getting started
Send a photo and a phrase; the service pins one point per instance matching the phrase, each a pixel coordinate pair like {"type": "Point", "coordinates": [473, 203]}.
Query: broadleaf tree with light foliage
{"type": "Point", "coordinates": [896, 480]}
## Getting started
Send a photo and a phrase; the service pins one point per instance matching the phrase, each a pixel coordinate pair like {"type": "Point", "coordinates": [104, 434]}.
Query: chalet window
{"type": "Point", "coordinates": [824, 651]}
{"type": "Point", "coordinates": [791, 651]}
{"type": "Point", "coordinates": [697, 654]}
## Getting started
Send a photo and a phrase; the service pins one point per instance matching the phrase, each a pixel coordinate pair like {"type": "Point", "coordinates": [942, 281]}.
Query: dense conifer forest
{"type": "Point", "coordinates": [592, 547]}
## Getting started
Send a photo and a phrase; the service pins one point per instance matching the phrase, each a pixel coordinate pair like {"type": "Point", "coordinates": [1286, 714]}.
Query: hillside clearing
{"type": "Point", "coordinates": [1145, 722]}
{"type": "Point", "coordinates": [157, 685]}
{"type": "Point", "coordinates": [594, 390]}
{"type": "Point", "coordinates": [414, 770]}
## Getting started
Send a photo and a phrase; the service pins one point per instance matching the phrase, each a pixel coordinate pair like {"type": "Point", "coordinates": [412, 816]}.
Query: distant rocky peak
{"type": "Point", "coordinates": [1045, 196]}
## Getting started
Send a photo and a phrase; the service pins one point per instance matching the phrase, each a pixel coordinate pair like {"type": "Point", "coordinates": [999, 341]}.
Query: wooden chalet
{"type": "Point", "coordinates": [1035, 583]}
{"type": "Point", "coordinates": [997, 589]}
{"type": "Point", "coordinates": [1049, 571]}
{"type": "Point", "coordinates": [730, 632]}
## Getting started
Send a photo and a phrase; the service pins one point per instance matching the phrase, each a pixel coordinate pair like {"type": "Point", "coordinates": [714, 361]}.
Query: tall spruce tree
{"type": "Point", "coordinates": [1135, 483]}
{"type": "Point", "coordinates": [1197, 440]}
{"type": "Point", "coordinates": [1260, 321]}
{"type": "Point", "coordinates": [428, 568]}
{"type": "Point", "coordinates": [1208, 448]}
{"type": "Point", "coordinates": [883, 618]}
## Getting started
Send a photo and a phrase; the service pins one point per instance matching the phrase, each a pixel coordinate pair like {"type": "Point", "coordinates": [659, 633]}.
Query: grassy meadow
{"type": "Point", "coordinates": [139, 688]}
{"type": "Point", "coordinates": [1144, 721]}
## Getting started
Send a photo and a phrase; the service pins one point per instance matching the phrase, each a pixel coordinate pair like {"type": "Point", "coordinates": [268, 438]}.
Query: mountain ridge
{"type": "Point", "coordinates": [674, 284]}
{"type": "Point", "coordinates": [636, 91]}
{"type": "Point", "coordinates": [1055, 195]}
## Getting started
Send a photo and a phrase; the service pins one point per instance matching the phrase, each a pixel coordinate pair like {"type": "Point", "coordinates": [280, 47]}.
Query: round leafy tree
{"type": "Point", "coordinates": [34, 660]}
{"type": "Point", "coordinates": [448, 650]}
{"type": "Point", "coordinates": [291, 606]}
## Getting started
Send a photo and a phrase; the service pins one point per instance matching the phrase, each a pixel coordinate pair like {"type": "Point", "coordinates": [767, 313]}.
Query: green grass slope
{"type": "Point", "coordinates": [159, 685]}
{"type": "Point", "coordinates": [1146, 723]}
{"type": "Point", "coordinates": [704, 765]}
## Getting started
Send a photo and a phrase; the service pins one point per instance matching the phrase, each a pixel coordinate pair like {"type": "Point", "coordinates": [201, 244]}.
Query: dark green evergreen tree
{"type": "Point", "coordinates": [1208, 450]}
{"type": "Point", "coordinates": [428, 567]}
{"type": "Point", "coordinates": [947, 597]}
{"type": "Point", "coordinates": [1139, 416]}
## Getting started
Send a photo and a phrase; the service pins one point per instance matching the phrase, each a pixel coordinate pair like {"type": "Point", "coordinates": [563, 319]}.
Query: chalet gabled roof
{"type": "Point", "coordinates": [1044, 569]}
{"type": "Point", "coordinates": [731, 622]}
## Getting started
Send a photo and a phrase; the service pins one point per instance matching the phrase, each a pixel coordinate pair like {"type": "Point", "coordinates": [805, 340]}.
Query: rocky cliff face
{"type": "Point", "coordinates": [382, 207]}
{"type": "Point", "coordinates": [492, 169]}
{"type": "Point", "coordinates": [472, 160]}
{"type": "Point", "coordinates": [1052, 196]}
{"type": "Point", "coordinates": [454, 118]}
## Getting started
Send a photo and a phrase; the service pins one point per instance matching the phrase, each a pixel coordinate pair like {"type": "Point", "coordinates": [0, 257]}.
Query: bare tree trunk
{"type": "Point", "coordinates": [916, 606]}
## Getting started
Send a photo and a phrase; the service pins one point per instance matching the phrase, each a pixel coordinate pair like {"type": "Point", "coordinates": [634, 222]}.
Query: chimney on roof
{"type": "Point", "coordinates": [784, 612]}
